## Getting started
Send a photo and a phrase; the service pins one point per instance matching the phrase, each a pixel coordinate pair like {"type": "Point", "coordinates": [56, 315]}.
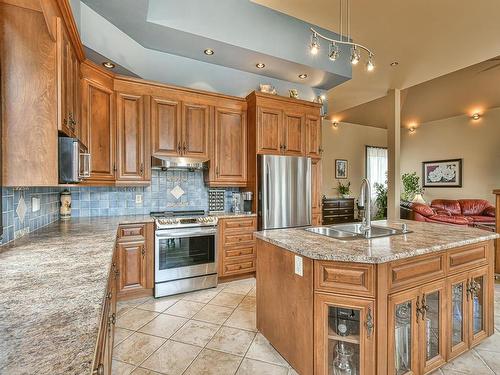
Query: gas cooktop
{"type": "Point", "coordinates": [182, 218]}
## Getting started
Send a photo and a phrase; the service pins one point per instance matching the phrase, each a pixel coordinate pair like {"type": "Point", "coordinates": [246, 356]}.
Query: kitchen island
{"type": "Point", "coordinates": [403, 304]}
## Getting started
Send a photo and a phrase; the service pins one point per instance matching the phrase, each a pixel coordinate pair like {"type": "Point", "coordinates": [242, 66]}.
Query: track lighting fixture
{"type": "Point", "coordinates": [343, 40]}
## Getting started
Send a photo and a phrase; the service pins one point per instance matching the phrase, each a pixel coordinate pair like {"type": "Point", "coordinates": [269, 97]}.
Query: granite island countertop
{"type": "Point", "coordinates": [425, 238]}
{"type": "Point", "coordinates": [51, 294]}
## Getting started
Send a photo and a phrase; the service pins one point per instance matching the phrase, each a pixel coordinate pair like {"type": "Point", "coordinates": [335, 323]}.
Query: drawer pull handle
{"type": "Point", "coordinates": [110, 295]}
{"type": "Point", "coordinates": [99, 370]}
{"type": "Point", "coordinates": [369, 323]}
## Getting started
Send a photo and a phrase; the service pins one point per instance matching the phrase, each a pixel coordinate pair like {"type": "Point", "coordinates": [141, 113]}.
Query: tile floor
{"type": "Point", "coordinates": [212, 332]}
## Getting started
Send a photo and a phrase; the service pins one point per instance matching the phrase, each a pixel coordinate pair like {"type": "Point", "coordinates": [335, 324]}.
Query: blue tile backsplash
{"type": "Point", "coordinates": [106, 201]}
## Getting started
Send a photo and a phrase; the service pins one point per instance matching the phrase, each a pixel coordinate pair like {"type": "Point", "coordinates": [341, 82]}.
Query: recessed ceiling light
{"type": "Point", "coordinates": [303, 76]}
{"type": "Point", "coordinates": [394, 63]}
{"type": "Point", "coordinates": [260, 65]}
{"type": "Point", "coordinates": [209, 52]}
{"type": "Point", "coordinates": [108, 65]}
{"type": "Point", "coordinates": [476, 116]}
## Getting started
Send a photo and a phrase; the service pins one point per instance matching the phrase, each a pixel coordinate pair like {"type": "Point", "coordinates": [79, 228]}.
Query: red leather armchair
{"type": "Point", "coordinates": [458, 212]}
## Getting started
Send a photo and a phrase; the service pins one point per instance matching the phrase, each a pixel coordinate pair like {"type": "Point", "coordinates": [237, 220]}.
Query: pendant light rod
{"type": "Point", "coordinates": [317, 34]}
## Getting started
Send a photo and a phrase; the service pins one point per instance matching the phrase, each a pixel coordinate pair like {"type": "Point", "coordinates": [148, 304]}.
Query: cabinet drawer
{"type": "Point", "coordinates": [238, 238]}
{"type": "Point", "coordinates": [245, 224]}
{"type": "Point", "coordinates": [467, 257]}
{"type": "Point", "coordinates": [417, 270]}
{"type": "Point", "coordinates": [345, 278]}
{"type": "Point", "coordinates": [240, 266]}
{"type": "Point", "coordinates": [234, 252]}
{"type": "Point", "coordinates": [346, 204]}
{"type": "Point", "coordinates": [132, 232]}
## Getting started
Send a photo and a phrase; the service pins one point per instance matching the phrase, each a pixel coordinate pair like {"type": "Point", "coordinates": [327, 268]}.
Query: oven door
{"type": "Point", "coordinates": [185, 252]}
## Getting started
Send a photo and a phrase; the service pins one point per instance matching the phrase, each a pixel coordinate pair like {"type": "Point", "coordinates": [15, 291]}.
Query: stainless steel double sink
{"type": "Point", "coordinates": [355, 231]}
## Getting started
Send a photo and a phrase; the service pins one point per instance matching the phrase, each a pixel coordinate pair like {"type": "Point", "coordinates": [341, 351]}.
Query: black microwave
{"type": "Point", "coordinates": [74, 161]}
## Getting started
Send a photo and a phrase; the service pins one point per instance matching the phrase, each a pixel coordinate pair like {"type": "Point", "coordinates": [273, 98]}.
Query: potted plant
{"type": "Point", "coordinates": [381, 200]}
{"type": "Point", "coordinates": [411, 186]}
{"type": "Point", "coordinates": [344, 190]}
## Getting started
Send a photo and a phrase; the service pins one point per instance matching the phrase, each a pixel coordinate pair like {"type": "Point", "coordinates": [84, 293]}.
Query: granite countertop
{"type": "Point", "coordinates": [425, 238]}
{"type": "Point", "coordinates": [51, 294]}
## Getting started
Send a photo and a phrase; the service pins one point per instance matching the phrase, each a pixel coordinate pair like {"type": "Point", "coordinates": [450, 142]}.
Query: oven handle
{"type": "Point", "coordinates": [198, 233]}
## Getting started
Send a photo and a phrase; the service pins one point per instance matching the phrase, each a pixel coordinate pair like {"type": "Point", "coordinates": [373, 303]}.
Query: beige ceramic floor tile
{"type": "Point", "coordinates": [492, 360]}
{"type": "Point", "coordinates": [227, 299]}
{"type": "Point", "coordinates": [137, 348]}
{"type": "Point", "coordinates": [491, 344]}
{"type": "Point", "coordinates": [243, 319]}
{"type": "Point", "coordinates": [291, 371]}
{"type": "Point", "coordinates": [252, 367]}
{"type": "Point", "coordinates": [158, 305]}
{"type": "Point", "coordinates": [238, 288]}
{"type": "Point", "coordinates": [164, 325]}
{"type": "Point", "coordinates": [232, 340]}
{"type": "Point", "coordinates": [121, 368]}
{"type": "Point", "coordinates": [468, 363]}
{"type": "Point", "coordinates": [196, 333]}
{"type": "Point", "coordinates": [135, 319]}
{"type": "Point", "coordinates": [185, 309]}
{"type": "Point", "coordinates": [122, 310]}
{"type": "Point", "coordinates": [262, 350]}
{"type": "Point", "coordinates": [172, 358]}
{"type": "Point", "coordinates": [213, 314]}
{"type": "Point", "coordinates": [211, 362]}
{"type": "Point", "coordinates": [144, 371]}
{"type": "Point", "coordinates": [120, 335]}
{"type": "Point", "coordinates": [248, 303]}
{"type": "Point", "coordinates": [203, 296]}
{"type": "Point", "coordinates": [252, 292]}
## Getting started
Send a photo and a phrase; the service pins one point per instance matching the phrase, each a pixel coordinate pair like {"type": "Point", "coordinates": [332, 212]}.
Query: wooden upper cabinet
{"type": "Point", "coordinates": [313, 136]}
{"type": "Point", "coordinates": [269, 131]}
{"type": "Point", "coordinates": [230, 148]}
{"type": "Point", "coordinates": [195, 130]}
{"type": "Point", "coordinates": [131, 138]}
{"type": "Point", "coordinates": [166, 129]}
{"type": "Point", "coordinates": [293, 134]}
{"type": "Point", "coordinates": [68, 74]}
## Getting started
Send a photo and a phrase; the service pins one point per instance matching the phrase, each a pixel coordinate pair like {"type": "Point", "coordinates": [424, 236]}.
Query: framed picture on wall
{"type": "Point", "coordinates": [340, 168]}
{"type": "Point", "coordinates": [442, 173]}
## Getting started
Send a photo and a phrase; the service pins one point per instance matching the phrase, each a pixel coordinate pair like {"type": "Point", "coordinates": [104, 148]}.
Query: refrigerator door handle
{"type": "Point", "coordinates": [267, 192]}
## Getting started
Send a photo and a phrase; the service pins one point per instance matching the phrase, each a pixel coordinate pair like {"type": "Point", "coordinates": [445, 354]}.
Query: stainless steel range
{"type": "Point", "coordinates": [185, 252]}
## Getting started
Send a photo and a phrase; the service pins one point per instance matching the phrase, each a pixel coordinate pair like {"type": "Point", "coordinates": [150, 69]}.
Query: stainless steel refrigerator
{"type": "Point", "coordinates": [284, 191]}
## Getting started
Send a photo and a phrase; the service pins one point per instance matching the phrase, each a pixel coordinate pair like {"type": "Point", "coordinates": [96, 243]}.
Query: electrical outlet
{"type": "Point", "coordinates": [299, 266]}
{"type": "Point", "coordinates": [138, 198]}
{"type": "Point", "coordinates": [35, 204]}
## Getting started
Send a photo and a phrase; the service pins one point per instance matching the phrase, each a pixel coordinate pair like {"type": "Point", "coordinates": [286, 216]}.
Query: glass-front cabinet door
{"type": "Point", "coordinates": [432, 325]}
{"type": "Point", "coordinates": [478, 307]}
{"type": "Point", "coordinates": [403, 333]}
{"type": "Point", "coordinates": [345, 327]}
{"type": "Point", "coordinates": [458, 315]}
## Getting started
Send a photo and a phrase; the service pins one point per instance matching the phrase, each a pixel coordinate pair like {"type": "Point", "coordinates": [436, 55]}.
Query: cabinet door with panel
{"type": "Point", "coordinates": [293, 134]}
{"type": "Point", "coordinates": [230, 147]}
{"type": "Point", "coordinates": [316, 186]}
{"type": "Point", "coordinates": [131, 138]}
{"type": "Point", "coordinates": [269, 131]}
{"type": "Point", "coordinates": [132, 263]}
{"type": "Point", "coordinates": [344, 330]}
{"type": "Point", "coordinates": [98, 130]}
{"type": "Point", "coordinates": [166, 127]}
{"type": "Point", "coordinates": [313, 136]}
{"type": "Point", "coordinates": [195, 130]}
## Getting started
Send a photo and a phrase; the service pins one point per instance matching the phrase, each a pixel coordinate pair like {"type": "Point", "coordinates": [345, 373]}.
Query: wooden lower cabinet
{"type": "Point", "coordinates": [236, 249]}
{"type": "Point", "coordinates": [344, 330]}
{"type": "Point", "coordinates": [135, 259]}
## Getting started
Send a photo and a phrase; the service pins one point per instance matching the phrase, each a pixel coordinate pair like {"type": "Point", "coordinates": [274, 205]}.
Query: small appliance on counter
{"type": "Point", "coordinates": [74, 161]}
{"type": "Point", "coordinates": [247, 197]}
{"type": "Point", "coordinates": [65, 209]}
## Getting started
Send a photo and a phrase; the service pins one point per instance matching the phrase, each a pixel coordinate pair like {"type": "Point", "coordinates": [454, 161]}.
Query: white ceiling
{"type": "Point", "coordinates": [428, 38]}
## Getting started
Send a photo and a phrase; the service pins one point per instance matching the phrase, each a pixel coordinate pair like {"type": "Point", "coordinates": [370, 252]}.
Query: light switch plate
{"type": "Point", "coordinates": [299, 266]}
{"type": "Point", "coordinates": [138, 198]}
{"type": "Point", "coordinates": [35, 204]}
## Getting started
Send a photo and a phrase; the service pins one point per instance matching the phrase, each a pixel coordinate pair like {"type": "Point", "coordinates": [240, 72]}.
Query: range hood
{"type": "Point", "coordinates": [178, 164]}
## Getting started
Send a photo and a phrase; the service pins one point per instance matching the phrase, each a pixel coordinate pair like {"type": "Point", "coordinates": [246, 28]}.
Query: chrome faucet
{"type": "Point", "coordinates": [365, 201]}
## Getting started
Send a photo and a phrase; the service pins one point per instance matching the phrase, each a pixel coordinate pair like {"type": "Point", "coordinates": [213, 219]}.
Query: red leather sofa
{"type": "Point", "coordinates": [457, 212]}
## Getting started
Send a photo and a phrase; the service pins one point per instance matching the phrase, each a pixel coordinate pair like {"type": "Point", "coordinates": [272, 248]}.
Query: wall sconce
{"type": "Point", "coordinates": [475, 116]}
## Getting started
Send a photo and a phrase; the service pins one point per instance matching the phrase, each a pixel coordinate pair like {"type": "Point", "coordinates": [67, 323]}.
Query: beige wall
{"type": "Point", "coordinates": [348, 142]}
{"type": "Point", "coordinates": [476, 142]}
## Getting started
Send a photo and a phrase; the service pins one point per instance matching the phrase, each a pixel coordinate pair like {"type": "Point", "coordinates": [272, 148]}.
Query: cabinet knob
{"type": "Point", "coordinates": [369, 323]}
